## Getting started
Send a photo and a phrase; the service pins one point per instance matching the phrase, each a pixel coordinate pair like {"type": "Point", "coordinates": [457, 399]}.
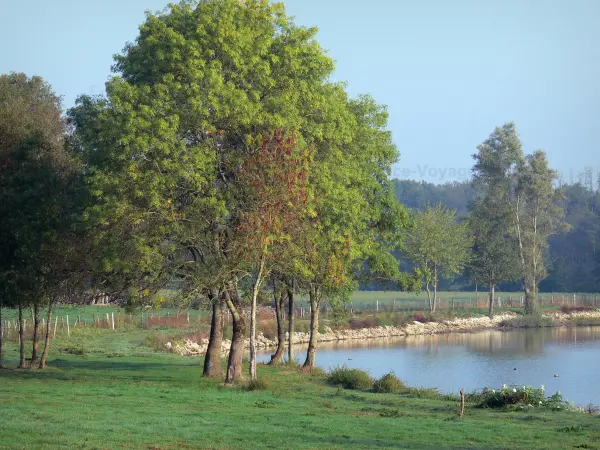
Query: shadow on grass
{"type": "Point", "coordinates": [136, 370]}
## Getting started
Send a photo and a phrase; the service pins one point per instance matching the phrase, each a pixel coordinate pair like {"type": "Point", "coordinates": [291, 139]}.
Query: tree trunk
{"type": "Point", "coordinates": [1, 335]}
{"type": "Point", "coordinates": [22, 364]}
{"type": "Point", "coordinates": [291, 307]}
{"type": "Point", "coordinates": [47, 338]}
{"type": "Point", "coordinates": [314, 328]}
{"type": "Point", "coordinates": [236, 351]}
{"type": "Point", "coordinates": [491, 310]}
{"type": "Point", "coordinates": [529, 300]}
{"type": "Point", "coordinates": [279, 305]}
{"type": "Point", "coordinates": [36, 334]}
{"type": "Point", "coordinates": [429, 298]}
{"type": "Point", "coordinates": [212, 359]}
{"type": "Point", "coordinates": [434, 297]}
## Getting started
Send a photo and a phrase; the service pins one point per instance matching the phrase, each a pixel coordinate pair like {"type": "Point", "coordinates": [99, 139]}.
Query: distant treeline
{"type": "Point", "coordinates": [573, 257]}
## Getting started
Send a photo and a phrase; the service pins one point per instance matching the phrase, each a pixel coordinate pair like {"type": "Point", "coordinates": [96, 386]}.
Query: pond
{"type": "Point", "coordinates": [561, 359]}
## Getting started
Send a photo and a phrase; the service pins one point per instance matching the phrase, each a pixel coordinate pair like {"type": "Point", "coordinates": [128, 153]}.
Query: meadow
{"type": "Point", "coordinates": [121, 394]}
{"type": "Point", "coordinates": [108, 389]}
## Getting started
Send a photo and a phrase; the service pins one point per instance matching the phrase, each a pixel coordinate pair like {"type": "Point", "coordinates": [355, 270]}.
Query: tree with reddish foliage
{"type": "Point", "coordinates": [274, 212]}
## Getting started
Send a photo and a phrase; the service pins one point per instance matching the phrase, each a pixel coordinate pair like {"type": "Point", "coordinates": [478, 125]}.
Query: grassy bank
{"type": "Point", "coordinates": [121, 394]}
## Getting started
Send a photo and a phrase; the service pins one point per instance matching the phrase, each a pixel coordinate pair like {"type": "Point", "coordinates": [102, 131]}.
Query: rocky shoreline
{"type": "Point", "coordinates": [457, 325]}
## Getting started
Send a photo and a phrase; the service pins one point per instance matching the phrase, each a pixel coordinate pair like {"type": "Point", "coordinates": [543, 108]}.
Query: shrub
{"type": "Point", "coordinates": [349, 378]}
{"type": "Point", "coordinates": [420, 392]}
{"type": "Point", "coordinates": [567, 309]}
{"type": "Point", "coordinates": [260, 384]}
{"type": "Point", "coordinates": [75, 348]}
{"type": "Point", "coordinates": [520, 396]}
{"type": "Point", "coordinates": [530, 321]}
{"type": "Point", "coordinates": [157, 342]}
{"type": "Point", "coordinates": [356, 323]}
{"type": "Point", "coordinates": [421, 317]}
{"type": "Point", "coordinates": [388, 383]}
{"type": "Point", "coordinates": [269, 329]}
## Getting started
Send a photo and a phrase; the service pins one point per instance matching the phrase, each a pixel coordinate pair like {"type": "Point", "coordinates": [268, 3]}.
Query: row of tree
{"type": "Point", "coordinates": [223, 158]}
{"type": "Point", "coordinates": [572, 258]}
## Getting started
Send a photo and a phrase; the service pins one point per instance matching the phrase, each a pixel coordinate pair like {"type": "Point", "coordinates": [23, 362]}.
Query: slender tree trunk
{"type": "Point", "coordinates": [1, 336]}
{"type": "Point", "coordinates": [429, 297]}
{"type": "Point", "coordinates": [236, 351]}
{"type": "Point", "coordinates": [47, 338]}
{"type": "Point", "coordinates": [279, 306]}
{"type": "Point", "coordinates": [491, 310]}
{"type": "Point", "coordinates": [22, 364]}
{"type": "Point", "coordinates": [435, 300]}
{"type": "Point", "coordinates": [36, 334]}
{"type": "Point", "coordinates": [291, 306]}
{"type": "Point", "coordinates": [314, 328]}
{"type": "Point", "coordinates": [212, 359]}
{"type": "Point", "coordinates": [255, 291]}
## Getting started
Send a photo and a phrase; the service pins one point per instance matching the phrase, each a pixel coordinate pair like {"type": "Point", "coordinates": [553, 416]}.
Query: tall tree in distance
{"type": "Point", "coordinates": [495, 255]}
{"type": "Point", "coordinates": [536, 217]}
{"type": "Point", "coordinates": [437, 244]}
{"type": "Point", "coordinates": [517, 203]}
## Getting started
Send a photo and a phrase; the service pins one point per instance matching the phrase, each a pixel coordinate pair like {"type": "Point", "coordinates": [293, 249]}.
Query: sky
{"type": "Point", "coordinates": [448, 71]}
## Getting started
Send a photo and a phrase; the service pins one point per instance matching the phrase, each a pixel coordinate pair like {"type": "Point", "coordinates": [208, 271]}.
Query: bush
{"type": "Point", "coordinates": [421, 317]}
{"type": "Point", "coordinates": [349, 378]}
{"type": "Point", "coordinates": [532, 321]}
{"type": "Point", "coordinates": [157, 342]}
{"type": "Point", "coordinates": [388, 383]}
{"type": "Point", "coordinates": [260, 384]}
{"type": "Point", "coordinates": [369, 322]}
{"type": "Point", "coordinates": [520, 396]}
{"type": "Point", "coordinates": [570, 309]}
{"type": "Point", "coordinates": [75, 348]}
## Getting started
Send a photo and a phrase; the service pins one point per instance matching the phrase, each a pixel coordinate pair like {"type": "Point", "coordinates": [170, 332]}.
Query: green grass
{"type": "Point", "coordinates": [122, 394]}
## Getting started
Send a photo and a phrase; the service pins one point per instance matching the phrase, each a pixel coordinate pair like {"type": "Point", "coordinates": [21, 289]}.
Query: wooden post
{"type": "Point", "coordinates": [107, 321]}
{"type": "Point", "coordinates": [113, 321]}
{"type": "Point", "coordinates": [68, 328]}
{"type": "Point", "coordinates": [377, 305]}
{"type": "Point", "coordinates": [462, 403]}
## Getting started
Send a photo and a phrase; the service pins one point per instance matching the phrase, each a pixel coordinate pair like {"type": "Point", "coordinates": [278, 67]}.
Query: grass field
{"type": "Point", "coordinates": [122, 394]}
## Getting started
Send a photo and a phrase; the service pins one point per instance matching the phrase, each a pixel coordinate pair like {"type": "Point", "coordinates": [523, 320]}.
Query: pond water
{"type": "Point", "coordinates": [471, 361]}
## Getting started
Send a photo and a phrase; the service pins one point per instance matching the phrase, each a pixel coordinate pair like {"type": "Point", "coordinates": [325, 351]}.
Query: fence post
{"type": "Point", "coordinates": [68, 328]}
{"type": "Point", "coordinates": [113, 321]}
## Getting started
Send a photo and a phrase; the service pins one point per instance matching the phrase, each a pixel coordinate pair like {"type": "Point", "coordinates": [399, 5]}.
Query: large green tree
{"type": "Point", "coordinates": [191, 101]}
{"type": "Point", "coordinates": [537, 216]}
{"type": "Point", "coordinates": [495, 251]}
{"type": "Point", "coordinates": [39, 180]}
{"type": "Point", "coordinates": [519, 203]}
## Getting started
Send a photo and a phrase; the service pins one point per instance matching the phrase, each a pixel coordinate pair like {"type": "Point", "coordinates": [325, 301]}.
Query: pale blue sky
{"type": "Point", "coordinates": [449, 70]}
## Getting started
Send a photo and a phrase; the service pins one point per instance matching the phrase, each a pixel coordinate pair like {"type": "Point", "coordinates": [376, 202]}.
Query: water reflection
{"type": "Point", "coordinates": [475, 360]}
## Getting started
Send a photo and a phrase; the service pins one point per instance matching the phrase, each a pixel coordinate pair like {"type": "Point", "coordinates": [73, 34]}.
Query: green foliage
{"type": "Point", "coordinates": [42, 253]}
{"type": "Point", "coordinates": [388, 383]}
{"type": "Point", "coordinates": [519, 397]}
{"type": "Point", "coordinates": [528, 321]}
{"type": "Point", "coordinates": [437, 244]}
{"type": "Point", "coordinates": [349, 378]}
